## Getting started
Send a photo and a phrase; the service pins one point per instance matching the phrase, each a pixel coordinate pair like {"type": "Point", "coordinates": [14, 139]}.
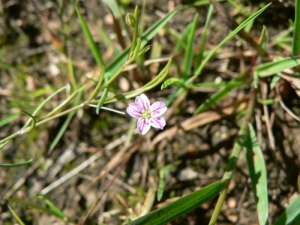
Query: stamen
{"type": "Point", "coordinates": [146, 114]}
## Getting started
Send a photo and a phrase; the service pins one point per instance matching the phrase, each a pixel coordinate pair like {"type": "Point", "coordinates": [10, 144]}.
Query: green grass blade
{"type": "Point", "coordinates": [43, 103]}
{"type": "Point", "coordinates": [181, 40]}
{"type": "Point", "coordinates": [157, 80]}
{"type": "Point", "coordinates": [102, 99]}
{"type": "Point", "coordinates": [272, 68]}
{"type": "Point", "coordinates": [9, 119]}
{"type": "Point", "coordinates": [90, 40]}
{"type": "Point", "coordinates": [147, 36]}
{"type": "Point", "coordinates": [296, 37]}
{"type": "Point", "coordinates": [203, 40]}
{"type": "Point", "coordinates": [258, 174]}
{"type": "Point", "coordinates": [291, 214]}
{"type": "Point", "coordinates": [53, 207]}
{"type": "Point", "coordinates": [172, 80]}
{"type": "Point", "coordinates": [17, 164]}
{"type": "Point", "coordinates": [161, 185]}
{"type": "Point", "coordinates": [221, 94]}
{"type": "Point", "coordinates": [38, 207]}
{"type": "Point", "coordinates": [65, 125]}
{"type": "Point", "coordinates": [16, 216]}
{"type": "Point", "coordinates": [181, 206]}
{"type": "Point", "coordinates": [232, 34]}
{"type": "Point", "coordinates": [189, 53]}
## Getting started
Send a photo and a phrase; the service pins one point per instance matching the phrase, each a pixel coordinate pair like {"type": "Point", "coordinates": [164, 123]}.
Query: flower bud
{"type": "Point", "coordinates": [130, 20]}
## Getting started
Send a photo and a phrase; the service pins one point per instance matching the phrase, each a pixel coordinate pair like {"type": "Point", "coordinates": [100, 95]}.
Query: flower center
{"type": "Point", "coordinates": [146, 114]}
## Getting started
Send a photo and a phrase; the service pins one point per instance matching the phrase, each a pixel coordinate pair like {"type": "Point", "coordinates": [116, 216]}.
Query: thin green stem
{"type": "Point", "coordinates": [237, 148]}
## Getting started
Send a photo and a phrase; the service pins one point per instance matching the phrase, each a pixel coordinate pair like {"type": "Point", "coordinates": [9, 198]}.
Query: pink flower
{"type": "Point", "coordinates": [147, 115]}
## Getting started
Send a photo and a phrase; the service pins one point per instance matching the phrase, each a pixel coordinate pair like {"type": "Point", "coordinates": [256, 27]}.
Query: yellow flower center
{"type": "Point", "coordinates": [146, 114]}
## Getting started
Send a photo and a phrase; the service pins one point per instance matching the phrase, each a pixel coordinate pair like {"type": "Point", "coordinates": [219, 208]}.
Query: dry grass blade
{"type": "Point", "coordinates": [284, 106]}
{"type": "Point", "coordinates": [81, 167]}
{"type": "Point", "coordinates": [103, 193]}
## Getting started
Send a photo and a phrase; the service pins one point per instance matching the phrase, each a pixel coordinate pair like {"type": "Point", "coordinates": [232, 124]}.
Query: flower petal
{"type": "Point", "coordinates": [134, 110]}
{"type": "Point", "coordinates": [142, 101]}
{"type": "Point", "coordinates": [158, 108]}
{"type": "Point", "coordinates": [158, 122]}
{"type": "Point", "coordinates": [143, 126]}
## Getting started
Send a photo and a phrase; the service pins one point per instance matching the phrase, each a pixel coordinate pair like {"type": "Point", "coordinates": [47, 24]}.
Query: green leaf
{"type": "Point", "coordinates": [9, 119]}
{"type": "Point", "coordinates": [296, 37]}
{"type": "Point", "coordinates": [181, 206]}
{"type": "Point", "coordinates": [258, 175]}
{"type": "Point", "coordinates": [291, 214]}
{"type": "Point", "coordinates": [274, 81]}
{"type": "Point", "coordinates": [102, 99]}
{"type": "Point", "coordinates": [161, 185]}
{"type": "Point", "coordinates": [263, 41]}
{"type": "Point", "coordinates": [272, 68]}
{"type": "Point", "coordinates": [53, 207]}
{"type": "Point", "coordinates": [221, 94]}
{"type": "Point", "coordinates": [189, 53]}
{"type": "Point", "coordinates": [231, 35]}
{"type": "Point", "coordinates": [203, 40]}
{"type": "Point", "coordinates": [146, 37]}
{"type": "Point", "coordinates": [93, 46]}
{"type": "Point", "coordinates": [170, 81]}
{"type": "Point", "coordinates": [268, 101]}
{"type": "Point", "coordinates": [15, 215]}
{"type": "Point", "coordinates": [153, 83]}
{"type": "Point", "coordinates": [17, 164]}
{"type": "Point", "coordinates": [38, 207]}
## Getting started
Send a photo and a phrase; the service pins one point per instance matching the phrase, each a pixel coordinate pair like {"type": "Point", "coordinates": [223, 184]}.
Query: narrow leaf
{"type": "Point", "coordinates": [296, 37]}
{"type": "Point", "coordinates": [16, 216]}
{"type": "Point", "coordinates": [258, 174]}
{"type": "Point", "coordinates": [221, 94]}
{"type": "Point", "coordinates": [189, 53]}
{"type": "Point", "coordinates": [291, 214]}
{"type": "Point", "coordinates": [272, 68]}
{"type": "Point", "coordinates": [17, 164]}
{"type": "Point", "coordinates": [170, 81]}
{"type": "Point", "coordinates": [181, 206]}
{"type": "Point", "coordinates": [90, 40]}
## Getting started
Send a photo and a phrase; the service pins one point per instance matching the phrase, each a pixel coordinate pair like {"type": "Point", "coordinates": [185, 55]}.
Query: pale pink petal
{"type": "Point", "coordinates": [134, 110]}
{"type": "Point", "coordinates": [143, 126]}
{"type": "Point", "coordinates": [158, 108]}
{"type": "Point", "coordinates": [142, 101]}
{"type": "Point", "coordinates": [158, 122]}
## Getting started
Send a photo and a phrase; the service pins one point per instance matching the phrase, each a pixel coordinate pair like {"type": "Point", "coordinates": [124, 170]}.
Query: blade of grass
{"type": "Point", "coordinates": [15, 215]}
{"type": "Point", "coordinates": [65, 125]}
{"type": "Point", "coordinates": [52, 207]}
{"type": "Point", "coordinates": [9, 119]}
{"type": "Point", "coordinates": [221, 94]}
{"type": "Point", "coordinates": [181, 206]}
{"type": "Point", "coordinates": [17, 164]}
{"type": "Point", "coordinates": [232, 34]}
{"type": "Point", "coordinates": [203, 40]}
{"type": "Point", "coordinates": [258, 175]}
{"type": "Point", "coordinates": [272, 68]}
{"type": "Point", "coordinates": [38, 207]}
{"type": "Point", "coordinates": [95, 52]}
{"type": "Point", "coordinates": [296, 37]}
{"type": "Point", "coordinates": [157, 80]}
{"type": "Point", "coordinates": [189, 52]}
{"type": "Point", "coordinates": [237, 148]}
{"type": "Point", "coordinates": [90, 40]}
{"type": "Point", "coordinates": [147, 36]}
{"type": "Point", "coordinates": [291, 214]}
